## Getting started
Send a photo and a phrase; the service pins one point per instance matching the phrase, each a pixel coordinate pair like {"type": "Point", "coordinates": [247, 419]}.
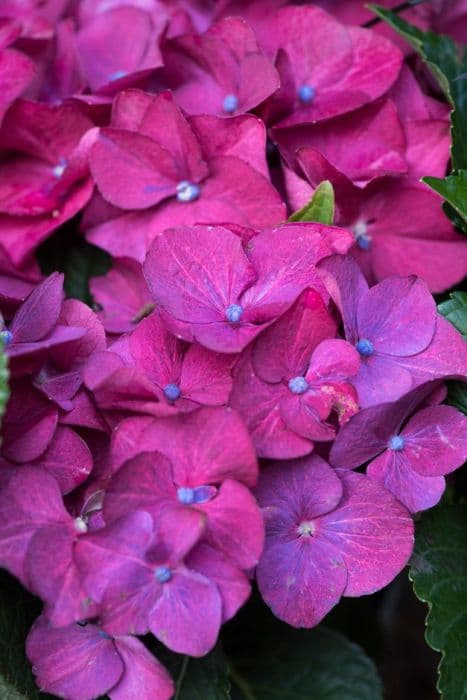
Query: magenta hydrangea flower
{"type": "Point", "coordinates": [61, 376]}
{"type": "Point", "coordinates": [232, 521]}
{"type": "Point", "coordinates": [138, 163]}
{"type": "Point", "coordinates": [329, 533]}
{"type": "Point", "coordinates": [387, 242]}
{"type": "Point", "coordinates": [214, 290]}
{"type": "Point", "coordinates": [185, 376]}
{"type": "Point", "coordinates": [296, 375]}
{"type": "Point", "coordinates": [112, 60]}
{"type": "Point", "coordinates": [216, 445]}
{"type": "Point", "coordinates": [409, 452]}
{"type": "Point", "coordinates": [220, 72]}
{"type": "Point", "coordinates": [35, 327]}
{"type": "Point", "coordinates": [45, 179]}
{"type": "Point", "coordinates": [331, 75]}
{"type": "Point", "coordinates": [37, 541]}
{"type": "Point", "coordinates": [81, 661]}
{"type": "Point", "coordinates": [135, 569]}
{"type": "Point", "coordinates": [16, 283]}
{"type": "Point", "coordinates": [363, 145]}
{"type": "Point", "coordinates": [394, 326]}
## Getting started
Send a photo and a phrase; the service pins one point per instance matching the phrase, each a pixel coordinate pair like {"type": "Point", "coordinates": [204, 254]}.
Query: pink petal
{"type": "Point", "coordinates": [144, 677]}
{"type": "Point", "coordinates": [372, 531]}
{"type": "Point", "coordinates": [76, 661]}
{"type": "Point", "coordinates": [416, 492]}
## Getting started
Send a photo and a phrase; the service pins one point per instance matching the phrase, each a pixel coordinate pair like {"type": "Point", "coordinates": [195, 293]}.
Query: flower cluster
{"type": "Point", "coordinates": [205, 423]}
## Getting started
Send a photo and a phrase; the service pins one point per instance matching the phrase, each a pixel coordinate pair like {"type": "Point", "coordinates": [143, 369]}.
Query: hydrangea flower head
{"type": "Point", "coordinates": [212, 289]}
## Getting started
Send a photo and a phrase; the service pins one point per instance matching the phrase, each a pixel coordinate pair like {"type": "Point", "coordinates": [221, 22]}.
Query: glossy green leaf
{"type": "Point", "coordinates": [457, 396]}
{"type": "Point", "coordinates": [455, 310]}
{"type": "Point", "coordinates": [318, 664]}
{"type": "Point", "coordinates": [439, 574]}
{"type": "Point", "coordinates": [18, 610]}
{"type": "Point", "coordinates": [320, 208]}
{"type": "Point", "coordinates": [454, 190]}
{"type": "Point", "coordinates": [204, 679]}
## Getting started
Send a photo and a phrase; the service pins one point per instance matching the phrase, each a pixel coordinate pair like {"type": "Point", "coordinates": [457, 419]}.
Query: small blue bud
{"type": "Point", "coordinates": [186, 495]}
{"type": "Point", "coordinates": [6, 336]}
{"type": "Point", "coordinates": [187, 191]}
{"type": "Point", "coordinates": [172, 392]}
{"type": "Point", "coordinates": [298, 385]}
{"type": "Point", "coordinates": [397, 442]}
{"type": "Point", "coordinates": [365, 347]}
{"type": "Point", "coordinates": [233, 313]}
{"type": "Point", "coordinates": [364, 242]}
{"type": "Point", "coordinates": [163, 574]}
{"type": "Point", "coordinates": [306, 93]}
{"type": "Point", "coordinates": [230, 103]}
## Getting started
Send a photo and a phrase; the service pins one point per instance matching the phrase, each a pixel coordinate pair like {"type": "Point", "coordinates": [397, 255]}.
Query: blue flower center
{"type": "Point", "coordinates": [163, 574]}
{"type": "Point", "coordinates": [365, 347]}
{"type": "Point", "coordinates": [362, 237]}
{"type": "Point", "coordinates": [397, 442]}
{"type": "Point", "coordinates": [230, 103]}
{"type": "Point", "coordinates": [187, 191]}
{"type": "Point", "coordinates": [172, 392]}
{"type": "Point", "coordinates": [306, 529]}
{"type": "Point", "coordinates": [199, 494]}
{"type": "Point", "coordinates": [298, 385]}
{"type": "Point", "coordinates": [104, 634]}
{"type": "Point", "coordinates": [60, 168]}
{"type": "Point", "coordinates": [6, 336]}
{"type": "Point", "coordinates": [233, 313]}
{"type": "Point", "coordinates": [306, 94]}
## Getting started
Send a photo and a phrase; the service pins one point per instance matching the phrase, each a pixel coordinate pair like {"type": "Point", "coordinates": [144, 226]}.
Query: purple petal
{"type": "Point", "coordinates": [233, 585]}
{"type": "Point", "coordinates": [416, 492]}
{"type": "Point", "coordinates": [372, 531]}
{"type": "Point", "coordinates": [398, 316]}
{"type": "Point", "coordinates": [144, 677]}
{"type": "Point", "coordinates": [187, 618]}
{"type": "Point", "coordinates": [435, 440]}
{"type": "Point", "coordinates": [76, 662]}
{"type": "Point", "coordinates": [38, 315]}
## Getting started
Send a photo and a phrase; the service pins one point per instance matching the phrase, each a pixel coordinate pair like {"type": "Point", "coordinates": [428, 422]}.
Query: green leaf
{"type": "Point", "coordinates": [318, 664]}
{"type": "Point", "coordinates": [454, 310]}
{"type": "Point", "coordinates": [457, 396]}
{"type": "Point", "coordinates": [320, 208]}
{"type": "Point", "coordinates": [439, 575]}
{"type": "Point", "coordinates": [454, 190]}
{"type": "Point", "coordinates": [18, 610]}
{"type": "Point", "coordinates": [204, 679]}
{"type": "Point", "coordinates": [448, 65]}
{"type": "Point", "coordinates": [68, 252]}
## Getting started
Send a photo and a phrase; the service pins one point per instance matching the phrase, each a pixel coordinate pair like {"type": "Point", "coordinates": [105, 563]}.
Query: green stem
{"type": "Point", "coordinates": [181, 677]}
{"type": "Point", "coordinates": [242, 684]}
